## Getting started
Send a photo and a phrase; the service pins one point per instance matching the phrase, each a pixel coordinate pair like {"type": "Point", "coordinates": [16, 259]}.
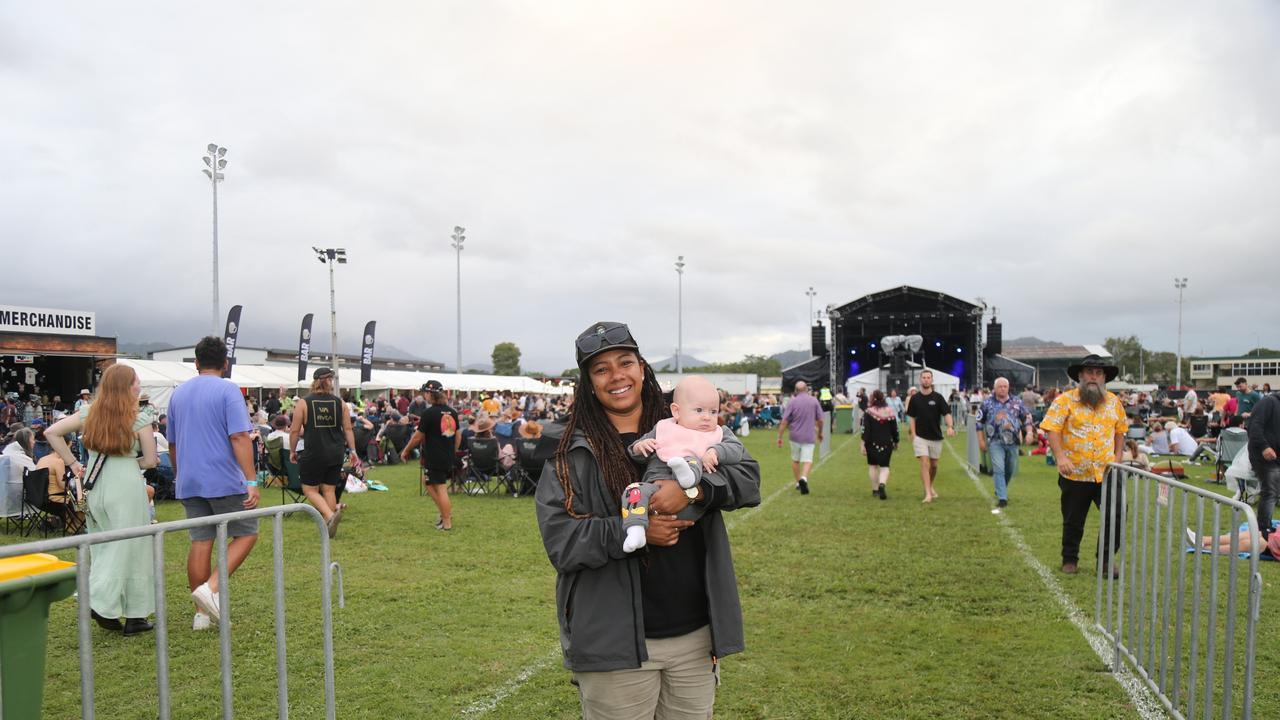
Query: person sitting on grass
{"type": "Point", "coordinates": [1180, 441]}
{"type": "Point", "coordinates": [683, 446]}
{"type": "Point", "coordinates": [1243, 538]}
{"type": "Point", "coordinates": [1133, 455]}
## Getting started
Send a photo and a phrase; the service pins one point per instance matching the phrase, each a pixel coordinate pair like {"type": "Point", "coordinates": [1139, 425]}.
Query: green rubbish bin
{"type": "Point", "coordinates": [844, 419]}
{"type": "Point", "coordinates": [28, 585]}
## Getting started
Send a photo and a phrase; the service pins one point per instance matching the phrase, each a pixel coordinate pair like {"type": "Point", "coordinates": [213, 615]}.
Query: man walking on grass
{"type": "Point", "coordinates": [803, 417]}
{"type": "Point", "coordinates": [925, 411]}
{"type": "Point", "coordinates": [1003, 421]}
{"type": "Point", "coordinates": [212, 459]}
{"type": "Point", "coordinates": [1086, 428]}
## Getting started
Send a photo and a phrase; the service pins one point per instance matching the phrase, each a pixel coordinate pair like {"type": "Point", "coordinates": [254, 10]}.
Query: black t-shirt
{"type": "Point", "coordinates": [928, 411]}
{"type": "Point", "coordinates": [272, 406]}
{"type": "Point", "coordinates": [673, 581]}
{"type": "Point", "coordinates": [438, 425]}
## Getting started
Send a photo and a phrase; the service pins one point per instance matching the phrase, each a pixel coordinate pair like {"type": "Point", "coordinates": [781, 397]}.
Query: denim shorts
{"type": "Point", "coordinates": [198, 507]}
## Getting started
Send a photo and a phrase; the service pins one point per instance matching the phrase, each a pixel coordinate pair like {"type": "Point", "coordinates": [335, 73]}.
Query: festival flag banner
{"type": "Point", "coordinates": [304, 347]}
{"type": "Point", "coordinates": [229, 337]}
{"type": "Point", "coordinates": [366, 353]}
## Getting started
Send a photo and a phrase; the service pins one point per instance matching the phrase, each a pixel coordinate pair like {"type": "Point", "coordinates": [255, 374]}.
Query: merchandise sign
{"type": "Point", "coordinates": [15, 318]}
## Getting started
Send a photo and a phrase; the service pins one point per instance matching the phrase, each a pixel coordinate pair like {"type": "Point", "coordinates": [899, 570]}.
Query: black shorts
{"type": "Point", "coordinates": [320, 473]}
{"type": "Point", "coordinates": [435, 476]}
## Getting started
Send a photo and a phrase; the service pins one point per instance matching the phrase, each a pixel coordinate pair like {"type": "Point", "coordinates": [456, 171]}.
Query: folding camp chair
{"type": "Point", "coordinates": [484, 470]}
{"type": "Point", "coordinates": [276, 474]}
{"type": "Point", "coordinates": [1240, 479]}
{"type": "Point", "coordinates": [39, 509]}
{"type": "Point", "coordinates": [291, 490]}
{"type": "Point", "coordinates": [524, 475]}
{"type": "Point", "coordinates": [1231, 442]}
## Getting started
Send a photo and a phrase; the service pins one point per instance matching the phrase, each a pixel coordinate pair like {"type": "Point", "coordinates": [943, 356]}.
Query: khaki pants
{"type": "Point", "coordinates": [677, 682]}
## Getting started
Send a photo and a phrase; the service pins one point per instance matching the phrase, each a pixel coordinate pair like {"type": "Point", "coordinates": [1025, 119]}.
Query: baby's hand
{"type": "Point", "coordinates": [645, 447]}
{"type": "Point", "coordinates": [709, 460]}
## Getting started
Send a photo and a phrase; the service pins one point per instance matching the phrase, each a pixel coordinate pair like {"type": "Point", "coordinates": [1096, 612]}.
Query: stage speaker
{"type": "Point", "coordinates": [818, 338]}
{"type": "Point", "coordinates": [994, 338]}
{"type": "Point", "coordinates": [896, 381]}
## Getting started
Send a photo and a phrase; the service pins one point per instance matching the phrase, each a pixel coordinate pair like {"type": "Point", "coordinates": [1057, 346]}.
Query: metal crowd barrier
{"type": "Point", "coordinates": [973, 452]}
{"type": "Point", "coordinates": [1175, 613]}
{"type": "Point", "coordinates": [157, 532]}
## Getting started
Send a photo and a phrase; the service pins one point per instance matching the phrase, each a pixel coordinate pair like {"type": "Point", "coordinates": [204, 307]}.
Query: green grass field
{"type": "Point", "coordinates": [854, 608]}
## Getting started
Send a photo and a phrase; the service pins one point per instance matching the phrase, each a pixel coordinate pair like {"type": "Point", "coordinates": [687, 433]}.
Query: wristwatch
{"type": "Point", "coordinates": [691, 493]}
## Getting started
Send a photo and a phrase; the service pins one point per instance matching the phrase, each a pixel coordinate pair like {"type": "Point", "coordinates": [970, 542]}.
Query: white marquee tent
{"type": "Point", "coordinates": [160, 377]}
{"type": "Point", "coordinates": [943, 382]}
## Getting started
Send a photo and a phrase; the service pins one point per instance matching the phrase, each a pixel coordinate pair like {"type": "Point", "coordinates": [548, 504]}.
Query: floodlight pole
{"type": "Point", "coordinates": [331, 256]}
{"type": "Point", "coordinates": [333, 323]}
{"type": "Point", "coordinates": [215, 162]}
{"type": "Point", "coordinates": [680, 313]}
{"type": "Point", "coordinates": [809, 327]}
{"type": "Point", "coordinates": [459, 237]}
{"type": "Point", "coordinates": [1180, 284]}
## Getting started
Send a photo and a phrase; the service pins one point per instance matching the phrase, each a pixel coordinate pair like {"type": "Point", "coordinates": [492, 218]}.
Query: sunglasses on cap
{"type": "Point", "coordinates": [603, 336]}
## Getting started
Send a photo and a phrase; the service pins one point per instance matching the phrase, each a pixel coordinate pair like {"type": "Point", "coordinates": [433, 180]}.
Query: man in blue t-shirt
{"type": "Point", "coordinates": [212, 458]}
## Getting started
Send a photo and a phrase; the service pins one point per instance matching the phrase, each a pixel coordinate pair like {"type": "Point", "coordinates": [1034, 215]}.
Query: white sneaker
{"type": "Point", "coordinates": [201, 622]}
{"type": "Point", "coordinates": [207, 601]}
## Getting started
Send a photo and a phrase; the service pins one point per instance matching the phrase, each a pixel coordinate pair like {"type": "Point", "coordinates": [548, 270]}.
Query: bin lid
{"type": "Point", "coordinates": [21, 566]}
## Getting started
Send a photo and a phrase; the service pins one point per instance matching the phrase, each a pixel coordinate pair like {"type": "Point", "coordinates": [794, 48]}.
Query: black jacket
{"type": "Point", "coordinates": [598, 600]}
{"type": "Point", "coordinates": [1264, 428]}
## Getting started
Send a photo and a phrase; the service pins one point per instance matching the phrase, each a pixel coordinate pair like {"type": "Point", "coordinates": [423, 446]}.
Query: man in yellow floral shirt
{"type": "Point", "coordinates": [1086, 428]}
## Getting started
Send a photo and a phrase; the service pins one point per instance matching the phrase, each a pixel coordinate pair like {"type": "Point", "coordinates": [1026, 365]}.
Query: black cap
{"type": "Point", "coordinates": [321, 372]}
{"type": "Point", "coordinates": [603, 336]}
{"type": "Point", "coordinates": [432, 386]}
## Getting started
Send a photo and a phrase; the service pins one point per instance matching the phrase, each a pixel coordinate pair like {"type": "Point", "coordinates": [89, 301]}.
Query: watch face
{"type": "Point", "coordinates": [692, 492]}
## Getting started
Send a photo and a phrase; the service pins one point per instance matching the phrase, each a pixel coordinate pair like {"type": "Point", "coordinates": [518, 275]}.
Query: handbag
{"type": "Point", "coordinates": [91, 477]}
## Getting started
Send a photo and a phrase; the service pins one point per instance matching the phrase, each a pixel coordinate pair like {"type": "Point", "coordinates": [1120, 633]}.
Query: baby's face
{"type": "Point", "coordinates": [699, 410]}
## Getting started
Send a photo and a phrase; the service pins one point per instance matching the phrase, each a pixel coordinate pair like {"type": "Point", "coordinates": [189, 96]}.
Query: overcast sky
{"type": "Point", "coordinates": [1063, 160]}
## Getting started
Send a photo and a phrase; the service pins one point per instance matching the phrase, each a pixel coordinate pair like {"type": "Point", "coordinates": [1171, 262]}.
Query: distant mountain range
{"type": "Point", "coordinates": [1022, 341]}
{"type": "Point", "coordinates": [791, 357]}
{"type": "Point", "coordinates": [669, 364]}
{"type": "Point", "coordinates": [786, 359]}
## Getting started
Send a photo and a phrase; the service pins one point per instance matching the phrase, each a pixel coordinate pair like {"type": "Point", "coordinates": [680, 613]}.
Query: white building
{"type": "Point", "coordinates": [1210, 373]}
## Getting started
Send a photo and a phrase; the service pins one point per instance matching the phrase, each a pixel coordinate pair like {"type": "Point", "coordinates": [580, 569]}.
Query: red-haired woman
{"type": "Point", "coordinates": [120, 444]}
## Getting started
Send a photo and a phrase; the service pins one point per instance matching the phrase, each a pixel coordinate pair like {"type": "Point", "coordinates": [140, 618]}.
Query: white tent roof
{"type": "Point", "coordinates": [159, 377]}
{"type": "Point", "coordinates": [872, 379]}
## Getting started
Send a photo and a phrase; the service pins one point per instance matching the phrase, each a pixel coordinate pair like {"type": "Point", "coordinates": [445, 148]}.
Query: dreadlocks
{"type": "Point", "coordinates": [589, 417]}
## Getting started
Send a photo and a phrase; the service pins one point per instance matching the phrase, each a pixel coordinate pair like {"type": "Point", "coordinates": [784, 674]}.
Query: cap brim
{"type": "Point", "coordinates": [617, 346]}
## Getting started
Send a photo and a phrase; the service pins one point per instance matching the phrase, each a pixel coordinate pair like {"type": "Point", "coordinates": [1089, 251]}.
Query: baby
{"type": "Point", "coordinates": [684, 446]}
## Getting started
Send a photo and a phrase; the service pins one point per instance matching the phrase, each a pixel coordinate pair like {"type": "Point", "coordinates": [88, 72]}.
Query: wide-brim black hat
{"type": "Point", "coordinates": [601, 337]}
{"type": "Point", "coordinates": [1093, 361]}
{"type": "Point", "coordinates": [322, 372]}
{"type": "Point", "coordinates": [432, 386]}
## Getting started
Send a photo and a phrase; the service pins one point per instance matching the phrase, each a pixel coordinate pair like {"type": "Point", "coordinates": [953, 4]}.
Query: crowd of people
{"type": "Point", "coordinates": [633, 469]}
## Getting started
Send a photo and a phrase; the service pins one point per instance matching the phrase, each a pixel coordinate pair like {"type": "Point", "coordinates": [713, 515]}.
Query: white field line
{"type": "Point", "coordinates": [487, 705]}
{"type": "Point", "coordinates": [1143, 701]}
